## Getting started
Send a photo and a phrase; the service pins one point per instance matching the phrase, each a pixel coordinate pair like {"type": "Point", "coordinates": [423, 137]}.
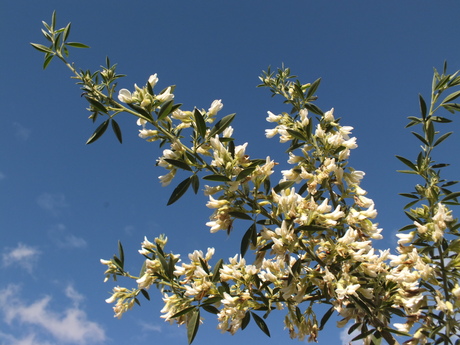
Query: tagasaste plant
{"type": "Point", "coordinates": [310, 233]}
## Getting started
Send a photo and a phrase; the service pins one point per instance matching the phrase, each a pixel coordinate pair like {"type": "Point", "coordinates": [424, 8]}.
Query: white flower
{"type": "Point", "coordinates": [215, 107]}
{"type": "Point", "coordinates": [153, 80]}
{"type": "Point", "coordinates": [166, 96]}
{"type": "Point", "coordinates": [272, 117]}
{"type": "Point", "coordinates": [124, 95]}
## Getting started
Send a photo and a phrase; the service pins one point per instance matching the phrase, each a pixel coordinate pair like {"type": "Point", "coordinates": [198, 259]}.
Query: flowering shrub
{"type": "Point", "coordinates": [311, 233]}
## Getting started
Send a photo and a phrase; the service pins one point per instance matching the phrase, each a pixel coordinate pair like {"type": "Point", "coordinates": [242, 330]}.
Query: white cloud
{"type": "Point", "coordinates": [150, 327]}
{"type": "Point", "coordinates": [52, 203]}
{"type": "Point", "coordinates": [29, 339]}
{"type": "Point", "coordinates": [21, 132]}
{"type": "Point", "coordinates": [346, 338]}
{"type": "Point", "coordinates": [23, 255]}
{"type": "Point", "coordinates": [63, 239]}
{"type": "Point", "coordinates": [68, 326]}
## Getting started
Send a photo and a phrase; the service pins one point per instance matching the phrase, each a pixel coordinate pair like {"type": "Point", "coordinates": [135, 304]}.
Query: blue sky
{"type": "Point", "coordinates": [65, 205]}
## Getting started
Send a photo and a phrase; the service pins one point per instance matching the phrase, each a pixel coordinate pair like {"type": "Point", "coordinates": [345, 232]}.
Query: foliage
{"type": "Point", "coordinates": [311, 233]}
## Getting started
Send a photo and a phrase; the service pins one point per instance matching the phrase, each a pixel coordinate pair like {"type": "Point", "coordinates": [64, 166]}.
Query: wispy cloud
{"type": "Point", "coordinates": [150, 327]}
{"type": "Point", "coordinates": [2, 176]}
{"type": "Point", "coordinates": [64, 239]}
{"type": "Point", "coordinates": [23, 256]}
{"type": "Point", "coordinates": [345, 338]}
{"type": "Point", "coordinates": [21, 132]}
{"type": "Point", "coordinates": [53, 203]}
{"type": "Point", "coordinates": [70, 326]}
{"type": "Point", "coordinates": [28, 339]}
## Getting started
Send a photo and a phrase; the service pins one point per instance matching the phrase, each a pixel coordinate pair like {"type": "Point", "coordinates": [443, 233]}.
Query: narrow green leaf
{"type": "Point", "coordinates": [116, 129]}
{"type": "Point", "coordinates": [314, 109]}
{"type": "Point", "coordinates": [363, 335]}
{"type": "Point", "coordinates": [240, 215]}
{"type": "Point", "coordinates": [47, 61]}
{"type": "Point", "coordinates": [121, 253]}
{"type": "Point", "coordinates": [216, 271]}
{"type": "Point", "coordinates": [245, 173]}
{"type": "Point", "coordinates": [430, 132]}
{"type": "Point", "coordinates": [195, 183]}
{"type": "Point", "coordinates": [261, 323]}
{"type": "Point", "coordinates": [421, 138]}
{"type": "Point", "coordinates": [221, 125]}
{"type": "Point", "coordinates": [42, 48]}
{"type": "Point", "coordinates": [67, 31]}
{"type": "Point", "coordinates": [283, 185]}
{"type": "Point", "coordinates": [326, 317]}
{"type": "Point", "coordinates": [440, 119]}
{"type": "Point", "coordinates": [200, 124]}
{"type": "Point", "coordinates": [451, 97]}
{"type": "Point", "coordinates": [179, 191]}
{"type": "Point", "coordinates": [77, 45]}
{"type": "Point", "coordinates": [210, 309]}
{"type": "Point", "coordinates": [145, 294]}
{"type": "Point", "coordinates": [143, 114]}
{"type": "Point", "coordinates": [98, 132]}
{"type": "Point", "coordinates": [218, 178]}
{"type": "Point", "coordinates": [192, 325]}
{"type": "Point", "coordinates": [442, 138]}
{"type": "Point", "coordinates": [96, 105]}
{"type": "Point", "coordinates": [422, 106]}
{"type": "Point", "coordinates": [183, 312]}
{"type": "Point", "coordinates": [247, 239]}
{"type": "Point", "coordinates": [246, 319]}
{"type": "Point", "coordinates": [452, 107]}
{"type": "Point", "coordinates": [451, 196]}
{"type": "Point", "coordinates": [178, 164]}
{"type": "Point", "coordinates": [313, 87]}
{"type": "Point", "coordinates": [407, 162]}
{"type": "Point", "coordinates": [53, 21]}
{"type": "Point", "coordinates": [407, 195]}
{"type": "Point", "coordinates": [165, 110]}
{"type": "Point", "coordinates": [296, 134]}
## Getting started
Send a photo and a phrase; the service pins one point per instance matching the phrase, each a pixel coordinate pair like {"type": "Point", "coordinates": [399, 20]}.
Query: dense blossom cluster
{"type": "Point", "coordinates": [311, 233]}
{"type": "Point", "coordinates": [314, 244]}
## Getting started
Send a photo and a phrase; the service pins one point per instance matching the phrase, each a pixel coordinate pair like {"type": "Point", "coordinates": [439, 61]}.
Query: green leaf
{"type": "Point", "coordinates": [96, 105]}
{"type": "Point", "coordinates": [216, 271]}
{"type": "Point", "coordinates": [313, 87]}
{"type": "Point", "coordinates": [77, 45]}
{"type": "Point", "coordinates": [143, 114]}
{"type": "Point", "coordinates": [178, 164]}
{"type": "Point", "coordinates": [245, 173]}
{"type": "Point", "coordinates": [246, 319]}
{"type": "Point", "coordinates": [261, 323]}
{"type": "Point", "coordinates": [179, 191]}
{"type": "Point", "coordinates": [296, 134]}
{"type": "Point", "coordinates": [195, 183]}
{"type": "Point", "coordinates": [283, 185]}
{"type": "Point", "coordinates": [430, 132]}
{"type": "Point", "coordinates": [98, 132]}
{"type": "Point", "coordinates": [407, 162]}
{"type": "Point", "coordinates": [408, 195]}
{"type": "Point", "coordinates": [221, 125]}
{"type": "Point", "coordinates": [121, 253]}
{"type": "Point", "coordinates": [145, 294]}
{"type": "Point", "coordinates": [240, 215]}
{"type": "Point", "coordinates": [442, 138]}
{"type": "Point", "coordinates": [326, 317]}
{"type": "Point", "coordinates": [363, 335]}
{"type": "Point", "coordinates": [200, 124]}
{"type": "Point", "coordinates": [314, 109]}
{"type": "Point", "coordinates": [422, 106]}
{"type": "Point", "coordinates": [116, 129]}
{"type": "Point", "coordinates": [451, 97]}
{"type": "Point", "coordinates": [451, 196]}
{"type": "Point", "coordinates": [452, 107]}
{"type": "Point", "coordinates": [210, 309]}
{"type": "Point", "coordinates": [165, 109]}
{"type": "Point", "coordinates": [183, 312]}
{"type": "Point", "coordinates": [47, 61]}
{"type": "Point", "coordinates": [192, 325]}
{"type": "Point", "coordinates": [42, 48]}
{"type": "Point", "coordinates": [218, 178]}
{"type": "Point", "coordinates": [421, 138]}
{"type": "Point", "coordinates": [247, 239]}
